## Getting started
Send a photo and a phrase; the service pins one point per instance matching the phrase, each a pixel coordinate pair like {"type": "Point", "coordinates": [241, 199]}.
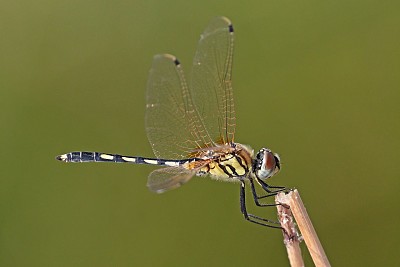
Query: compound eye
{"type": "Point", "coordinates": [269, 161]}
{"type": "Point", "coordinates": [268, 164]}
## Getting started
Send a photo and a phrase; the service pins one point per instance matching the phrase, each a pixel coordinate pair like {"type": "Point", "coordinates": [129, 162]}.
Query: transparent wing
{"type": "Point", "coordinates": [211, 84]}
{"type": "Point", "coordinates": [176, 125]}
{"type": "Point", "coordinates": [172, 124]}
{"type": "Point", "coordinates": [168, 178]}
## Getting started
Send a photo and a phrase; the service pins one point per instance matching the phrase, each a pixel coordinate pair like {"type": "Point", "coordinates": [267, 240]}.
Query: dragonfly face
{"type": "Point", "coordinates": [191, 126]}
{"type": "Point", "coordinates": [266, 164]}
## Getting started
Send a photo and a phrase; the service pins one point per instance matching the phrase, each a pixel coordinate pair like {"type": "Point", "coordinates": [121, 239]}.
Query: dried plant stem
{"type": "Point", "coordinates": [291, 237]}
{"type": "Point", "coordinates": [292, 204]}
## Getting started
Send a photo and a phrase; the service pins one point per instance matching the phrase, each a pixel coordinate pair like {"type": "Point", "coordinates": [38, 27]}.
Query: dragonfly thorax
{"type": "Point", "coordinates": [231, 162]}
{"type": "Point", "coordinates": [266, 164]}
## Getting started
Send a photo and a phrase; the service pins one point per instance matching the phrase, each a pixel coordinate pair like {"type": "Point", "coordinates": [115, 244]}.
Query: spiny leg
{"type": "Point", "coordinates": [267, 187]}
{"type": "Point", "coordinates": [250, 217]}
{"type": "Point", "coordinates": [256, 197]}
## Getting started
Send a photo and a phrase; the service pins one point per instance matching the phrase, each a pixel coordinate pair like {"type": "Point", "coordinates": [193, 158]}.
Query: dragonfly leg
{"type": "Point", "coordinates": [267, 189]}
{"type": "Point", "coordinates": [250, 217]}
{"type": "Point", "coordinates": [256, 197]}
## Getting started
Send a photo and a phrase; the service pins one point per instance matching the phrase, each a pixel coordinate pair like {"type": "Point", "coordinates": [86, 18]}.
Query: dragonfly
{"type": "Point", "coordinates": [191, 125]}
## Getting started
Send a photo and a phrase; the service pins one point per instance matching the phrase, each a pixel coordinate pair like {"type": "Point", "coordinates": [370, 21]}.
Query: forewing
{"type": "Point", "coordinates": [172, 124]}
{"type": "Point", "coordinates": [168, 178]}
{"type": "Point", "coordinates": [211, 84]}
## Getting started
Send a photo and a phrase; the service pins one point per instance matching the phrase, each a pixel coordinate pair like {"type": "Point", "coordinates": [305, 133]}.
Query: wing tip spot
{"type": "Point", "coordinates": [230, 27]}
{"type": "Point", "coordinates": [176, 61]}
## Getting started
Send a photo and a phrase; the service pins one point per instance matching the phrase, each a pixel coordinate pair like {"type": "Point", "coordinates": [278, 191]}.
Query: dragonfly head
{"type": "Point", "coordinates": [266, 164]}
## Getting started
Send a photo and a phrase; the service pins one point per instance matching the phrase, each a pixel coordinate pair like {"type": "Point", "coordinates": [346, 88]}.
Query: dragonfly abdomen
{"type": "Point", "coordinates": [84, 156]}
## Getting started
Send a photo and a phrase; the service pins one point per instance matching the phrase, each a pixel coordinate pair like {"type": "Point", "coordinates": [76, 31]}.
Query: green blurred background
{"type": "Point", "coordinates": [317, 82]}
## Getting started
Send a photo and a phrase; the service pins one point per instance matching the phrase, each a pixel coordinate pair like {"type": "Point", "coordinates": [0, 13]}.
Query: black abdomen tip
{"type": "Point", "coordinates": [63, 157]}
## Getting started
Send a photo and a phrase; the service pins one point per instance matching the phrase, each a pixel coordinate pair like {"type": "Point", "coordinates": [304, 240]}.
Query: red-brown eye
{"type": "Point", "coordinates": [269, 161]}
{"type": "Point", "coordinates": [266, 164]}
